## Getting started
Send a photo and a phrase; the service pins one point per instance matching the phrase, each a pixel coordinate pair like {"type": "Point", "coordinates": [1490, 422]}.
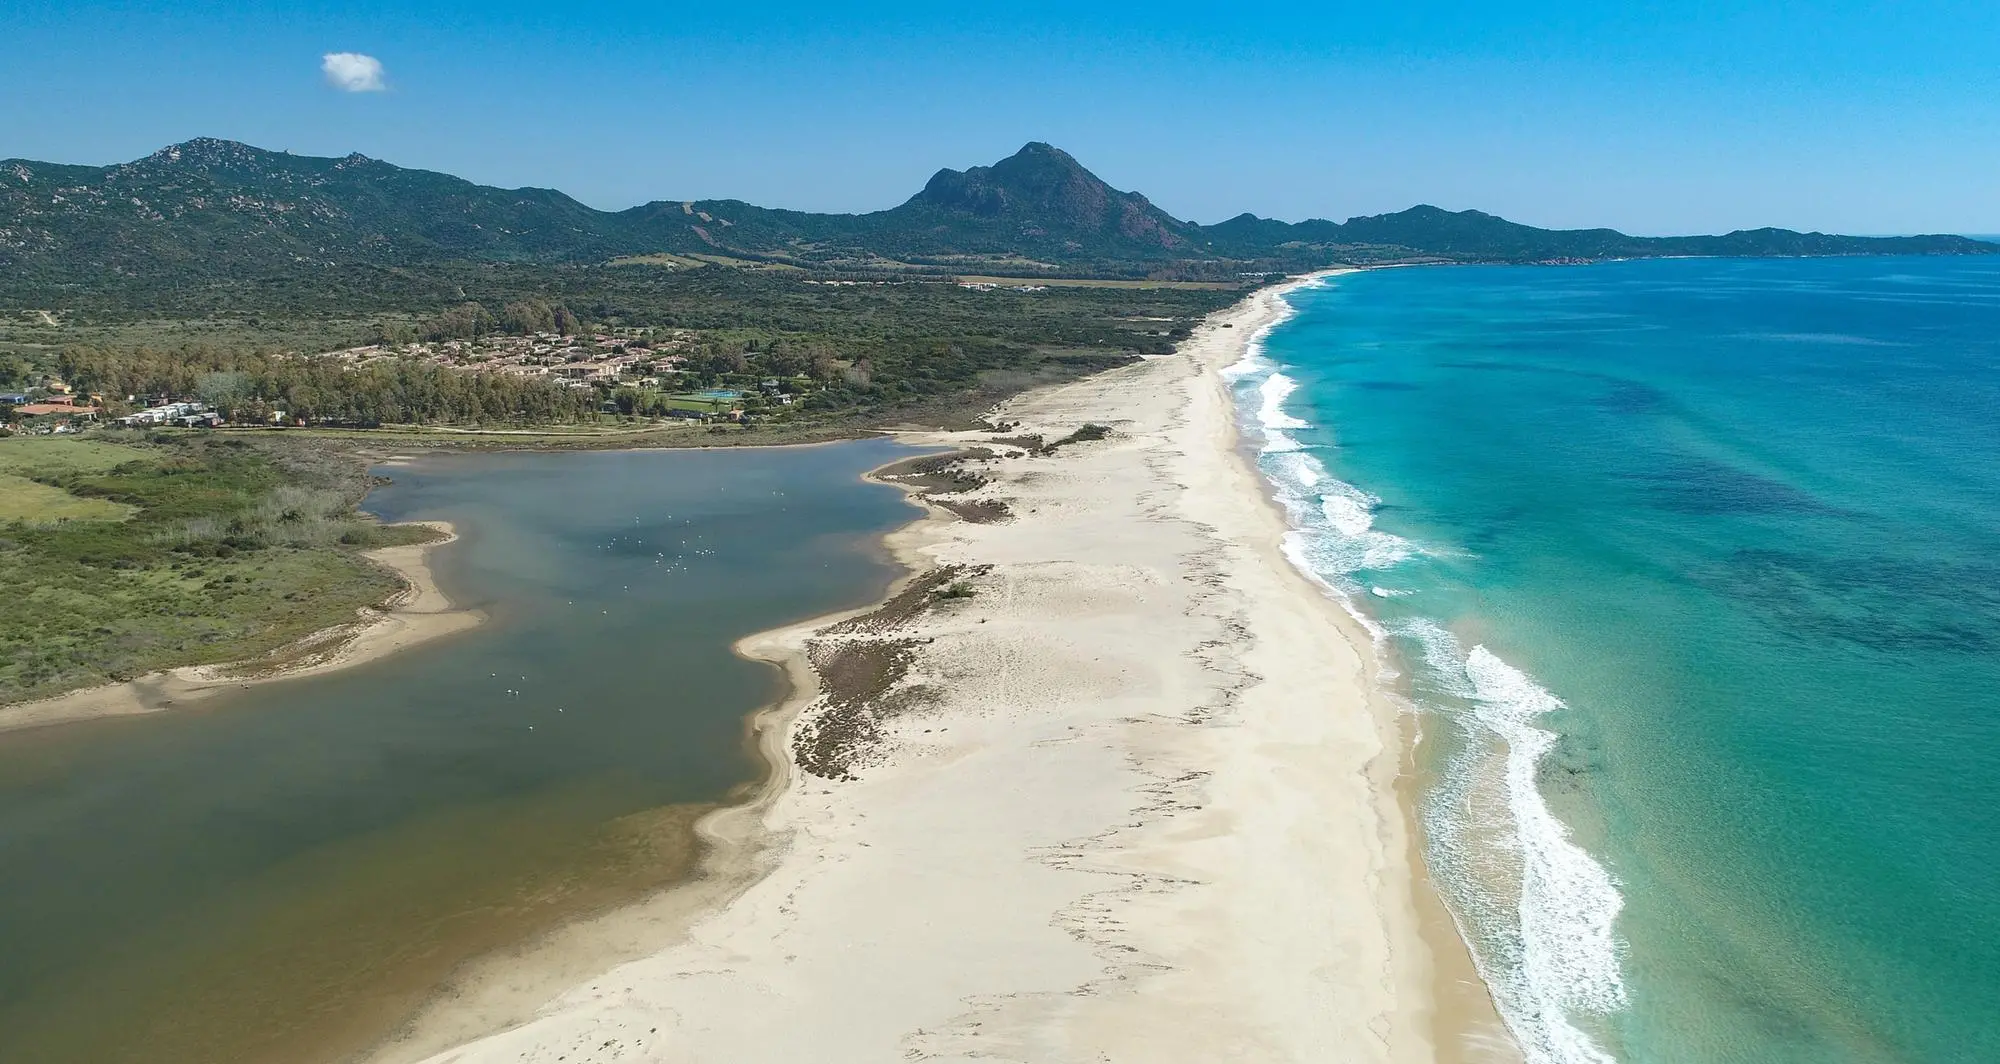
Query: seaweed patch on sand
{"type": "Point", "coordinates": [864, 669]}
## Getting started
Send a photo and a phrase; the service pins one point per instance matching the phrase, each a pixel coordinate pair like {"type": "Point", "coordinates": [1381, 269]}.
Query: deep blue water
{"type": "Point", "coordinates": [1692, 571]}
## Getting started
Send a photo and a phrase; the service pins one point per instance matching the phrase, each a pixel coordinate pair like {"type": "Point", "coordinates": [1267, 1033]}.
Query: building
{"type": "Point", "coordinates": [46, 409]}
{"type": "Point", "coordinates": [161, 415]}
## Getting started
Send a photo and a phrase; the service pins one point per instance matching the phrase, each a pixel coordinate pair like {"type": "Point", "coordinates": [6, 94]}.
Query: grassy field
{"type": "Point", "coordinates": [742, 264]}
{"type": "Point", "coordinates": [178, 550]}
{"type": "Point", "coordinates": [25, 499]}
{"type": "Point", "coordinates": [663, 259]}
{"type": "Point", "coordinates": [58, 454]}
{"type": "Point", "coordinates": [22, 499]}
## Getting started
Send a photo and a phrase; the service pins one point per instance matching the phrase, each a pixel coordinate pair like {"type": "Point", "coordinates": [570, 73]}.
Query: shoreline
{"type": "Point", "coordinates": [496, 992]}
{"type": "Point", "coordinates": [418, 613]}
{"type": "Point", "coordinates": [1153, 857]}
{"type": "Point", "coordinates": [1467, 1026]}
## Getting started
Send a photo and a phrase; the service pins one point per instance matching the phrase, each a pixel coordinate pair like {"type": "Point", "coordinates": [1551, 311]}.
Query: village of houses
{"type": "Point", "coordinates": [51, 407]}
{"type": "Point", "coordinates": [601, 362]}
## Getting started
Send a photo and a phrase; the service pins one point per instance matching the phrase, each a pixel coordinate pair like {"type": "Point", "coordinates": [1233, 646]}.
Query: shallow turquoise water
{"type": "Point", "coordinates": [1693, 570]}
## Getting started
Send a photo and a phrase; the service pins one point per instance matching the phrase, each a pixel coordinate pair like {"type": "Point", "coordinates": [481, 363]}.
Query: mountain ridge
{"type": "Point", "coordinates": [210, 207]}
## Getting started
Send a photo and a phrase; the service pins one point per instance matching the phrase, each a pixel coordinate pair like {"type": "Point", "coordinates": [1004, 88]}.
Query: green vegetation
{"type": "Point", "coordinates": [848, 355]}
{"type": "Point", "coordinates": [254, 386]}
{"type": "Point", "coordinates": [414, 309]}
{"type": "Point", "coordinates": [211, 210]}
{"type": "Point", "coordinates": [25, 499]}
{"type": "Point", "coordinates": [1087, 434]}
{"type": "Point", "coordinates": [22, 455]}
{"type": "Point", "coordinates": [214, 550]}
{"type": "Point", "coordinates": [207, 256]}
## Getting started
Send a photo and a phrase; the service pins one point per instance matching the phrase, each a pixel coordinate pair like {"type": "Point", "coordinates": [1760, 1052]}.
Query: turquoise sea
{"type": "Point", "coordinates": [1690, 571]}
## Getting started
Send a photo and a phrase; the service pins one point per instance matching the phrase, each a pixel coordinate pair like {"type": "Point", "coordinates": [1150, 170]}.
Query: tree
{"type": "Point", "coordinates": [784, 360]}
{"type": "Point", "coordinates": [225, 391]}
{"type": "Point", "coordinates": [528, 316]}
{"type": "Point", "coordinates": [467, 321]}
{"type": "Point", "coordinates": [391, 333]}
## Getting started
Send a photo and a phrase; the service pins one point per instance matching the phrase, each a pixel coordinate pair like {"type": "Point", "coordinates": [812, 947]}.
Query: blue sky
{"type": "Point", "coordinates": [1653, 118]}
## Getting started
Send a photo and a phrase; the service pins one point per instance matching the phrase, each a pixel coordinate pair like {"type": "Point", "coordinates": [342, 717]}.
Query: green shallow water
{"type": "Point", "coordinates": [285, 873]}
{"type": "Point", "coordinates": [1723, 537]}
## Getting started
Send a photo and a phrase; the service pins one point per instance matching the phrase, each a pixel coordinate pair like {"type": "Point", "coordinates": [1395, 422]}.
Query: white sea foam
{"type": "Point", "coordinates": [1570, 955]}
{"type": "Point", "coordinates": [1253, 360]}
{"type": "Point", "coordinates": [1297, 467]}
{"type": "Point", "coordinates": [1335, 522]}
{"type": "Point", "coordinates": [1541, 909]}
{"type": "Point", "coordinates": [1271, 413]}
{"type": "Point", "coordinates": [1441, 652]}
{"type": "Point", "coordinates": [1278, 442]}
{"type": "Point", "coordinates": [1348, 511]}
{"type": "Point", "coordinates": [1335, 518]}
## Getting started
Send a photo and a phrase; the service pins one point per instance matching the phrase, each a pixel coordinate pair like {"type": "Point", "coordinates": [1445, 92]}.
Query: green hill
{"type": "Point", "coordinates": [218, 206]}
{"type": "Point", "coordinates": [213, 209]}
{"type": "Point", "coordinates": [1426, 231]}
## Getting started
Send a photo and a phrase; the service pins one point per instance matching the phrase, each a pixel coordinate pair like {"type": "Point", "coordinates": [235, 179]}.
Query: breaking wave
{"type": "Point", "coordinates": [1539, 910]}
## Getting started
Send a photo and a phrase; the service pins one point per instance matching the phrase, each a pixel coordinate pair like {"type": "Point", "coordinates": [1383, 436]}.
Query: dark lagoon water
{"type": "Point", "coordinates": [1692, 571]}
{"type": "Point", "coordinates": [285, 873]}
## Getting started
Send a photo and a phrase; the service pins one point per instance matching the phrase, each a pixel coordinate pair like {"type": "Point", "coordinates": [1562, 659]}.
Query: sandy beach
{"type": "Point", "coordinates": [1120, 792]}
{"type": "Point", "coordinates": [418, 613]}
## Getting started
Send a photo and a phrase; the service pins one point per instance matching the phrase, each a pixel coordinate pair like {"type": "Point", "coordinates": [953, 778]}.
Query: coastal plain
{"type": "Point", "coordinates": [1121, 791]}
{"type": "Point", "coordinates": [417, 613]}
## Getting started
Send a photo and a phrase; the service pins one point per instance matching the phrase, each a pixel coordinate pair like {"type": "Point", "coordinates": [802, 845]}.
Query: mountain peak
{"type": "Point", "coordinates": [214, 208]}
{"type": "Point", "coordinates": [1040, 169]}
{"type": "Point", "coordinates": [207, 155]}
{"type": "Point", "coordinates": [204, 149]}
{"type": "Point", "coordinates": [1045, 191]}
{"type": "Point", "coordinates": [1040, 149]}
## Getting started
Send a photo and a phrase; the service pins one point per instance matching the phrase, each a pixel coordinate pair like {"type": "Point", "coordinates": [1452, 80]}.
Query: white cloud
{"type": "Point", "coordinates": [352, 72]}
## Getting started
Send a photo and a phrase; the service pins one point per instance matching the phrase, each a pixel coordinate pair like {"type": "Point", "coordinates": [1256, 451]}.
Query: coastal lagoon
{"type": "Point", "coordinates": [287, 872]}
{"type": "Point", "coordinates": [1687, 571]}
